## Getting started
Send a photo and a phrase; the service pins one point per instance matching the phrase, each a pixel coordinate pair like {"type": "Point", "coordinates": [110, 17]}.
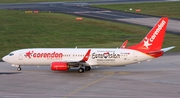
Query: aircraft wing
{"type": "Point", "coordinates": [76, 63]}
{"type": "Point", "coordinates": [124, 44]}
{"type": "Point", "coordinates": [79, 62]}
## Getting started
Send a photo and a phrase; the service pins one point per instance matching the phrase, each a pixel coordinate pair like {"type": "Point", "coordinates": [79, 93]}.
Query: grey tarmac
{"type": "Point", "coordinates": [158, 78]}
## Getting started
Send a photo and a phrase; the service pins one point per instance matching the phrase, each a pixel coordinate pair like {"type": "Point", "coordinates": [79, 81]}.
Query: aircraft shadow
{"type": "Point", "coordinates": [9, 73]}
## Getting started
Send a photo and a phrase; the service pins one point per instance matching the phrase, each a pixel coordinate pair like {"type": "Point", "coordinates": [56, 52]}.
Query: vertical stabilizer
{"type": "Point", "coordinates": [154, 39]}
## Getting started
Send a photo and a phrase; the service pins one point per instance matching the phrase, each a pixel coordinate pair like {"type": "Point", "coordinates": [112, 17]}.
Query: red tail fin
{"type": "Point", "coordinates": [154, 39]}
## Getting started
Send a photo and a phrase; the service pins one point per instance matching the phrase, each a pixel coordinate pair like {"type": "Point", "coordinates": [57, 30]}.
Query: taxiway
{"type": "Point", "coordinates": [158, 78]}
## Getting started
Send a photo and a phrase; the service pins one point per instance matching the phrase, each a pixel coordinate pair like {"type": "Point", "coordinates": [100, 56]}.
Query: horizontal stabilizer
{"type": "Point", "coordinates": [156, 53]}
{"type": "Point", "coordinates": [168, 48]}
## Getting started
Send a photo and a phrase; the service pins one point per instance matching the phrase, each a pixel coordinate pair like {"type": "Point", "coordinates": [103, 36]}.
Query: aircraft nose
{"type": "Point", "coordinates": [5, 58]}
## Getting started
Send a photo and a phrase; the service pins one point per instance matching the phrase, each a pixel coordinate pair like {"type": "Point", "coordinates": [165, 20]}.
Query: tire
{"type": "Point", "coordinates": [87, 68]}
{"type": "Point", "coordinates": [19, 69]}
{"type": "Point", "coordinates": [81, 70]}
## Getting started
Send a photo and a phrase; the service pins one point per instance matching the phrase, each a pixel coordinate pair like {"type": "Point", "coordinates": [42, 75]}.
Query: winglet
{"type": "Point", "coordinates": [86, 57]}
{"type": "Point", "coordinates": [124, 44]}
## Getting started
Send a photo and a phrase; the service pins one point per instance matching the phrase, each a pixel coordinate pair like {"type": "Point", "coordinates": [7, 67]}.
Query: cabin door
{"type": "Point", "coordinates": [20, 55]}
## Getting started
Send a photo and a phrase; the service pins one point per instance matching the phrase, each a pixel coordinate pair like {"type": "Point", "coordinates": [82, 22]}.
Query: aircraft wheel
{"type": "Point", "coordinates": [19, 68]}
{"type": "Point", "coordinates": [87, 68]}
{"type": "Point", "coordinates": [81, 70]}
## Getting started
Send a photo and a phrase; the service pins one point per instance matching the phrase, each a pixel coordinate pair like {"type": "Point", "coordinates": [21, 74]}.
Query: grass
{"type": "Point", "coordinates": [170, 9]}
{"type": "Point", "coordinates": [20, 30]}
{"type": "Point", "coordinates": [25, 1]}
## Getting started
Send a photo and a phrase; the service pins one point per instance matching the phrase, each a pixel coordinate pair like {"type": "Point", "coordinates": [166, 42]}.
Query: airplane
{"type": "Point", "coordinates": [63, 59]}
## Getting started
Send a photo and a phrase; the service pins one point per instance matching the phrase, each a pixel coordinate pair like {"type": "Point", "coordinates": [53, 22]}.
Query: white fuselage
{"type": "Point", "coordinates": [98, 56]}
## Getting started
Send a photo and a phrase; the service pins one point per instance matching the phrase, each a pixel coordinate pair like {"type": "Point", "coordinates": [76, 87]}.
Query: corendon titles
{"type": "Point", "coordinates": [160, 26]}
{"type": "Point", "coordinates": [48, 55]}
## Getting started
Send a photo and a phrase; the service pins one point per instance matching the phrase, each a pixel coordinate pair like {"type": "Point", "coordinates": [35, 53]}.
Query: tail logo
{"type": "Point", "coordinates": [148, 41]}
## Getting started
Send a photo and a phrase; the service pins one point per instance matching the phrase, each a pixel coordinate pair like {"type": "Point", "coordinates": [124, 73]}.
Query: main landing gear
{"type": "Point", "coordinates": [87, 68]}
{"type": "Point", "coordinates": [81, 70]}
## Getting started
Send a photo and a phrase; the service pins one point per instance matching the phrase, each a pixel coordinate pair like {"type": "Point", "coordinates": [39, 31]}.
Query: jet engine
{"type": "Point", "coordinates": [60, 66]}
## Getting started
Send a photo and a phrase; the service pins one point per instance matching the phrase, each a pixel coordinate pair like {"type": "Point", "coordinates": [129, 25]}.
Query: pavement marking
{"type": "Point", "coordinates": [91, 74]}
{"type": "Point", "coordinates": [108, 72]}
{"type": "Point", "coordinates": [124, 73]}
{"type": "Point", "coordinates": [88, 85]}
{"type": "Point", "coordinates": [121, 73]}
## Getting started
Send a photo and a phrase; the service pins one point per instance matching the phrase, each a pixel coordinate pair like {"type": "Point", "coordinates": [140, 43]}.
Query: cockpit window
{"type": "Point", "coordinates": [11, 54]}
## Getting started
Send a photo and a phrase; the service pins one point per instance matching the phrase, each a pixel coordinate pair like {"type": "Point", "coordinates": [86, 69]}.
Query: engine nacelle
{"type": "Point", "coordinates": [60, 66]}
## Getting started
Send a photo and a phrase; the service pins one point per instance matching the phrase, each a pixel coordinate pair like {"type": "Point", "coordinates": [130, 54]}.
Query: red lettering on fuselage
{"type": "Point", "coordinates": [48, 55]}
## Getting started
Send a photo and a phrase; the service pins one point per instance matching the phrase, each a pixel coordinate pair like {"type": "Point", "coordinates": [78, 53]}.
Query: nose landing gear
{"type": "Point", "coordinates": [19, 68]}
